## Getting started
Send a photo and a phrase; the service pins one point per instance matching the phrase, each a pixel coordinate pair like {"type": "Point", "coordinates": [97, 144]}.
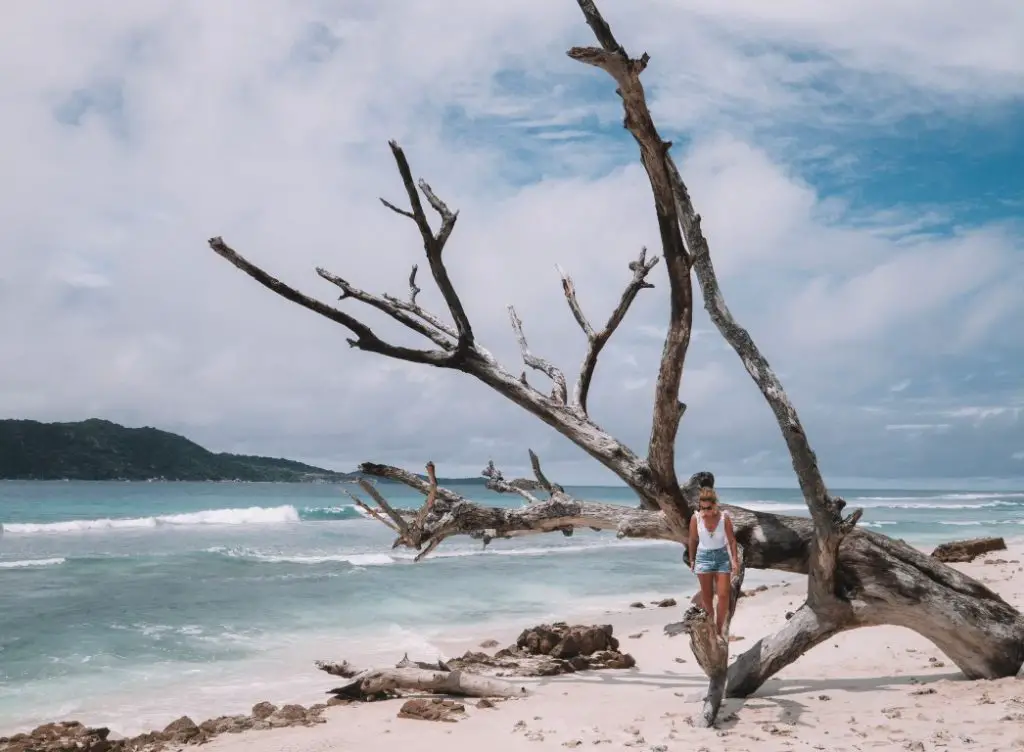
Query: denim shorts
{"type": "Point", "coordinates": [711, 560]}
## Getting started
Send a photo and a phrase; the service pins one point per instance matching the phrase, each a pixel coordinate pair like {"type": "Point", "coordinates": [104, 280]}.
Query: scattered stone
{"type": "Point", "coordinates": [755, 591]}
{"type": "Point", "coordinates": [572, 743]}
{"type": "Point", "coordinates": [964, 551]}
{"type": "Point", "coordinates": [263, 710]}
{"type": "Point", "coordinates": [915, 746]}
{"type": "Point", "coordinates": [679, 660]}
{"type": "Point", "coordinates": [666, 603]}
{"type": "Point", "coordinates": [892, 713]}
{"type": "Point", "coordinates": [182, 730]}
{"type": "Point", "coordinates": [485, 703]}
{"type": "Point", "coordinates": [535, 736]}
{"type": "Point", "coordinates": [824, 698]}
{"type": "Point", "coordinates": [432, 709]}
{"type": "Point", "coordinates": [549, 650]}
{"type": "Point", "coordinates": [637, 604]}
{"type": "Point", "coordinates": [923, 691]}
{"type": "Point", "coordinates": [636, 636]}
{"type": "Point", "coordinates": [488, 644]}
{"type": "Point", "coordinates": [789, 615]}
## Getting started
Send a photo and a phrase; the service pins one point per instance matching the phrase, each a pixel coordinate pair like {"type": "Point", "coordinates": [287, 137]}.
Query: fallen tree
{"type": "Point", "coordinates": [856, 577]}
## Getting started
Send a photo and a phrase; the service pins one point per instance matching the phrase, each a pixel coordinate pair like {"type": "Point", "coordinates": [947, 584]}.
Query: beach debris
{"type": "Point", "coordinates": [963, 551]}
{"type": "Point", "coordinates": [549, 650]}
{"type": "Point", "coordinates": [432, 709]}
{"type": "Point", "coordinates": [544, 650]}
{"type": "Point", "coordinates": [73, 735]}
{"type": "Point", "coordinates": [386, 683]}
{"type": "Point", "coordinates": [183, 729]}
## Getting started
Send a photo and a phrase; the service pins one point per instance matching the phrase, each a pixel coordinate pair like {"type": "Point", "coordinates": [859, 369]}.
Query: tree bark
{"type": "Point", "coordinates": [879, 580]}
{"type": "Point", "coordinates": [414, 678]}
{"type": "Point", "coordinates": [855, 578]}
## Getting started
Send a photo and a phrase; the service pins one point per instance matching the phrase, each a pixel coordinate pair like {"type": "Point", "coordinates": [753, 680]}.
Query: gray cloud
{"type": "Point", "coordinates": [134, 132]}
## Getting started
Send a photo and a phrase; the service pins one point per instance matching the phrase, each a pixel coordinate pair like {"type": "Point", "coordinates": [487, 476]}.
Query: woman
{"type": "Point", "coordinates": [713, 558]}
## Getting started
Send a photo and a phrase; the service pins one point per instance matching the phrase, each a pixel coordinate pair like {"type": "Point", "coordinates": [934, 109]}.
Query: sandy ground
{"type": "Point", "coordinates": [879, 688]}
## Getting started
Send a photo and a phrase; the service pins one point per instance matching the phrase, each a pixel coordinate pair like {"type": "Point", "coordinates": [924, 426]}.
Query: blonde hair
{"type": "Point", "coordinates": [709, 495]}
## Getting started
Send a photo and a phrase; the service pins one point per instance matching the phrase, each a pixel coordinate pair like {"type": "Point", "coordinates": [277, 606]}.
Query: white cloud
{"type": "Point", "coordinates": [269, 127]}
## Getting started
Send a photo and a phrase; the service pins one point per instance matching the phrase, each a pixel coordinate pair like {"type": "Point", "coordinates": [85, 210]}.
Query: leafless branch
{"type": "Point", "coordinates": [825, 510]}
{"type": "Point", "coordinates": [428, 505]}
{"type": "Point", "coordinates": [597, 340]}
{"type": "Point", "coordinates": [365, 339]}
{"type": "Point", "coordinates": [434, 244]}
{"type": "Point", "coordinates": [496, 482]}
{"type": "Point", "coordinates": [668, 410]}
{"type": "Point", "coordinates": [389, 307]}
{"type": "Point", "coordinates": [541, 478]}
{"type": "Point", "coordinates": [560, 390]}
{"type": "Point", "coordinates": [413, 289]}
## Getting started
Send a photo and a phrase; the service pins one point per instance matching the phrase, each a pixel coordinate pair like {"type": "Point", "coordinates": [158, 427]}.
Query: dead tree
{"type": "Point", "coordinates": [856, 577]}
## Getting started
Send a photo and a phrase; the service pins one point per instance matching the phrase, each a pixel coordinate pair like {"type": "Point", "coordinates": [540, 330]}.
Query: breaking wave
{"type": "Point", "coordinates": [241, 516]}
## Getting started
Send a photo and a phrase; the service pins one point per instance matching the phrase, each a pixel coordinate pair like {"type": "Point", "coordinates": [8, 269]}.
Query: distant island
{"type": "Point", "coordinates": [97, 449]}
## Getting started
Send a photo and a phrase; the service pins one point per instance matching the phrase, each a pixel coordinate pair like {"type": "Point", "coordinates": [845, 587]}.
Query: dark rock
{"type": "Point", "coordinates": [485, 703]}
{"type": "Point", "coordinates": [637, 604]}
{"type": "Point", "coordinates": [488, 644]}
{"type": "Point", "coordinates": [963, 551]}
{"type": "Point", "coordinates": [182, 730]}
{"type": "Point", "coordinates": [60, 737]}
{"type": "Point", "coordinates": [263, 710]}
{"type": "Point", "coordinates": [666, 603]}
{"type": "Point", "coordinates": [432, 709]}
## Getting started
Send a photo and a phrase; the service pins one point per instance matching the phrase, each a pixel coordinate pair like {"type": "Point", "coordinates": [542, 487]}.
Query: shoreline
{"type": "Point", "coordinates": [668, 678]}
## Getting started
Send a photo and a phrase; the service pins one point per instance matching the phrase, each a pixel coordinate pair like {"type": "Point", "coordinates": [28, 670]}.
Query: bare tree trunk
{"type": "Point", "coordinates": [855, 578]}
{"type": "Point", "coordinates": [879, 580]}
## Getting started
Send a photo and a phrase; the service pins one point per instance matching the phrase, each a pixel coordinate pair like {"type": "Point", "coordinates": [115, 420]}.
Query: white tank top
{"type": "Point", "coordinates": [707, 539]}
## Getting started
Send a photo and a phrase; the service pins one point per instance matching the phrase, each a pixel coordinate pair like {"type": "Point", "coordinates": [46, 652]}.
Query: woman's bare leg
{"type": "Point", "coordinates": [724, 588]}
{"type": "Point", "coordinates": [707, 593]}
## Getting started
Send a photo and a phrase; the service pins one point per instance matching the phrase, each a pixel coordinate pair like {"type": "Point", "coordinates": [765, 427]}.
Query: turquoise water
{"type": "Point", "coordinates": [130, 603]}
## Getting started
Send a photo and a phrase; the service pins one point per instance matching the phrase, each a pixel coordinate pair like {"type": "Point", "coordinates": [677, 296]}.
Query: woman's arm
{"type": "Point", "coordinates": [730, 539]}
{"type": "Point", "coordinates": [691, 546]}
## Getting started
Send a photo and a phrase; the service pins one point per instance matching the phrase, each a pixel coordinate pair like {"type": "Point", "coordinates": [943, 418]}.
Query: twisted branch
{"type": "Point", "coordinates": [559, 391]}
{"type": "Point", "coordinates": [597, 340]}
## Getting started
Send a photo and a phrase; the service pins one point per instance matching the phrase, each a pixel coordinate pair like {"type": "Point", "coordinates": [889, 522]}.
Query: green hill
{"type": "Point", "coordinates": [100, 450]}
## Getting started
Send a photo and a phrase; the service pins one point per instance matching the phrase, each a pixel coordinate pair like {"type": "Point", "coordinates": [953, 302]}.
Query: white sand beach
{"type": "Point", "coordinates": [879, 688]}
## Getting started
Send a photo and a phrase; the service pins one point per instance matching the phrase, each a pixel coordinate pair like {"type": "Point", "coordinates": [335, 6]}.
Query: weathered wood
{"type": "Point", "coordinates": [879, 580]}
{"type": "Point", "coordinates": [855, 577]}
{"type": "Point", "coordinates": [597, 340]}
{"type": "Point", "coordinates": [963, 551]}
{"type": "Point", "coordinates": [711, 648]}
{"type": "Point", "coordinates": [375, 681]}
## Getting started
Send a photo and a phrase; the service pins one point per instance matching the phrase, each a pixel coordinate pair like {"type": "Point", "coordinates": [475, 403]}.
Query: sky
{"type": "Point", "coordinates": [859, 166]}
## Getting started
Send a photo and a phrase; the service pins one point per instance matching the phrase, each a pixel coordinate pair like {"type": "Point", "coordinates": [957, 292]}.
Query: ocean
{"type": "Point", "coordinates": [128, 604]}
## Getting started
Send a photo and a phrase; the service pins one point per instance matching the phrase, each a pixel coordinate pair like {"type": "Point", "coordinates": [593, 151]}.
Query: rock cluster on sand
{"type": "Point", "coordinates": [963, 551]}
{"type": "Point", "coordinates": [550, 649]}
{"type": "Point", "coordinates": [72, 735]}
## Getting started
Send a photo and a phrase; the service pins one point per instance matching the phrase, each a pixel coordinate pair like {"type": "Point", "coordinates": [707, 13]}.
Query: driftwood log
{"type": "Point", "coordinates": [856, 577]}
{"type": "Point", "coordinates": [410, 676]}
{"type": "Point", "coordinates": [963, 551]}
